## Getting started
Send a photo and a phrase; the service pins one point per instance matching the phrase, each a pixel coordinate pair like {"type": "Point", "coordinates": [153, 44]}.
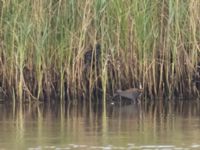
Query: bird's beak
{"type": "Point", "coordinates": [140, 86]}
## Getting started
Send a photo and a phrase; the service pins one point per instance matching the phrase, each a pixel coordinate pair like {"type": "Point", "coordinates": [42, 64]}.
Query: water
{"type": "Point", "coordinates": [145, 126]}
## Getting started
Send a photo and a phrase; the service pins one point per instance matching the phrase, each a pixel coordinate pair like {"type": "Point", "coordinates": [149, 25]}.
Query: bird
{"type": "Point", "coordinates": [132, 93]}
{"type": "Point", "coordinates": [92, 56]}
{"type": "Point", "coordinates": [91, 69]}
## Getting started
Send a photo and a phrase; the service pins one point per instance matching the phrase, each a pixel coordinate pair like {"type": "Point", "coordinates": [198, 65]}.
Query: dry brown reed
{"type": "Point", "coordinates": [43, 46]}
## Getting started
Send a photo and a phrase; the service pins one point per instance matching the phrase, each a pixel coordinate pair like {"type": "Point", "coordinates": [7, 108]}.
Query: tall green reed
{"type": "Point", "coordinates": [153, 43]}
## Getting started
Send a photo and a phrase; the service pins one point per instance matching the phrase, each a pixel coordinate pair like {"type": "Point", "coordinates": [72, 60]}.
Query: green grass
{"type": "Point", "coordinates": [42, 46]}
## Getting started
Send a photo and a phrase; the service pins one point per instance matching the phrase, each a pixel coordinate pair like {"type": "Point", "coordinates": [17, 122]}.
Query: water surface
{"type": "Point", "coordinates": [151, 125]}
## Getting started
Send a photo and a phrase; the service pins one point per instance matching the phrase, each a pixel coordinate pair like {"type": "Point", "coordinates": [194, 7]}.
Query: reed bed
{"type": "Point", "coordinates": [43, 46]}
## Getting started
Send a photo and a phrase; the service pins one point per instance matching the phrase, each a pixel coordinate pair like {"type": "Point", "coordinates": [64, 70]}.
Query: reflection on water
{"type": "Point", "coordinates": [136, 126]}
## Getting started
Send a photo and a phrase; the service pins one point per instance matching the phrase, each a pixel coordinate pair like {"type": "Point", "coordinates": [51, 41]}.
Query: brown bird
{"type": "Point", "coordinates": [132, 93]}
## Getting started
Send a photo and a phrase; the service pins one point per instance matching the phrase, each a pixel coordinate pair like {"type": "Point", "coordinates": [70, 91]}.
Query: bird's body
{"type": "Point", "coordinates": [93, 55]}
{"type": "Point", "coordinates": [133, 93]}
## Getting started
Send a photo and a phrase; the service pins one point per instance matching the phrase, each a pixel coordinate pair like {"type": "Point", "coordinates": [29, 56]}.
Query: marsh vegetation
{"type": "Point", "coordinates": [61, 49]}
